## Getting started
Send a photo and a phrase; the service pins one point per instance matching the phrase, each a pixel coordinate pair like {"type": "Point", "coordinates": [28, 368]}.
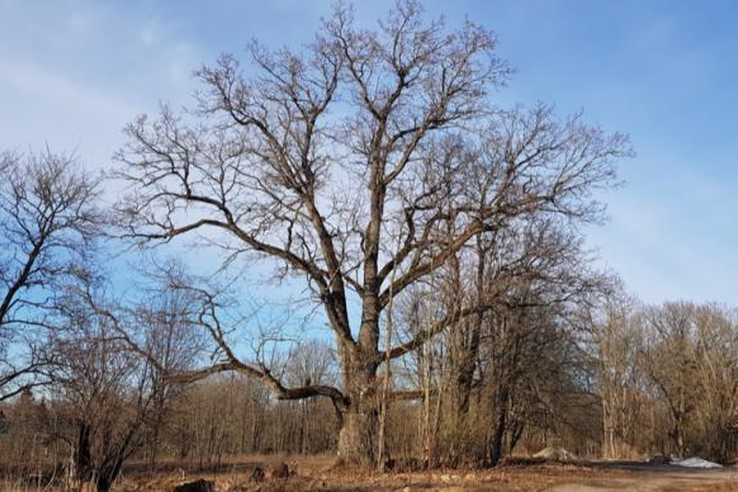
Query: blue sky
{"type": "Point", "coordinates": [73, 73]}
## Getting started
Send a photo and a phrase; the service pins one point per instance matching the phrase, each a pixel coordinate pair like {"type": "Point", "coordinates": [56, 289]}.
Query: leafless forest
{"type": "Point", "coordinates": [440, 307]}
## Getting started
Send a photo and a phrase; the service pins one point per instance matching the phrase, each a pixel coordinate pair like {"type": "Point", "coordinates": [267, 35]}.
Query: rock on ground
{"type": "Point", "coordinates": [197, 486]}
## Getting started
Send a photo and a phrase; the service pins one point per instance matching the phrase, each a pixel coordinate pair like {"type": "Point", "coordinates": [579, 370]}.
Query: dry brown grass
{"type": "Point", "coordinates": [320, 473]}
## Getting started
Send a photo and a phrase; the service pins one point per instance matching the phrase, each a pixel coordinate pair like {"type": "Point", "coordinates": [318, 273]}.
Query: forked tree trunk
{"type": "Point", "coordinates": [515, 434]}
{"type": "Point", "coordinates": [108, 474]}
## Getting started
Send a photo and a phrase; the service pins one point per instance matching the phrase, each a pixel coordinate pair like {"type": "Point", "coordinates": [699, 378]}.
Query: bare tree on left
{"type": "Point", "coordinates": [48, 223]}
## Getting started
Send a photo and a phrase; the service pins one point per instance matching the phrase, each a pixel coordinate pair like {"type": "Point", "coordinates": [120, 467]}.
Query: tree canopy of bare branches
{"type": "Point", "coordinates": [361, 164]}
{"type": "Point", "coordinates": [48, 222]}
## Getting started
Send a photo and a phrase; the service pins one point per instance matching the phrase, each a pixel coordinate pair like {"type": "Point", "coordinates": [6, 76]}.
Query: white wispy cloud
{"type": "Point", "coordinates": [72, 75]}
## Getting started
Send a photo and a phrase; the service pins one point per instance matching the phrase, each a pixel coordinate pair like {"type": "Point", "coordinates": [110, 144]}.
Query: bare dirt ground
{"type": "Point", "coordinates": [319, 473]}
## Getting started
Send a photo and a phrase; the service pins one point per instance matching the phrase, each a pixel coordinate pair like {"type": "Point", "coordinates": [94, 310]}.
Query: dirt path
{"type": "Point", "coordinates": [670, 479]}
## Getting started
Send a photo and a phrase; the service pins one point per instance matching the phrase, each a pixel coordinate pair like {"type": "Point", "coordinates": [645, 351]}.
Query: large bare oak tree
{"type": "Point", "coordinates": [344, 164]}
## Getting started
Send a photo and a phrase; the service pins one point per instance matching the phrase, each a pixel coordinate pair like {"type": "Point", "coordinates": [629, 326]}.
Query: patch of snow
{"type": "Point", "coordinates": [696, 462]}
{"type": "Point", "coordinates": [557, 454]}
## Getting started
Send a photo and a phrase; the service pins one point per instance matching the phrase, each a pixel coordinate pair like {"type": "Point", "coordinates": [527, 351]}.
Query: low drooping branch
{"type": "Point", "coordinates": [207, 317]}
{"type": "Point", "coordinates": [263, 375]}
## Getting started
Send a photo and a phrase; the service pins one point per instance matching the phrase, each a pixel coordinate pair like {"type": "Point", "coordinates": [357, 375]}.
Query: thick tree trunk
{"type": "Point", "coordinates": [357, 436]}
{"type": "Point", "coordinates": [360, 418]}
